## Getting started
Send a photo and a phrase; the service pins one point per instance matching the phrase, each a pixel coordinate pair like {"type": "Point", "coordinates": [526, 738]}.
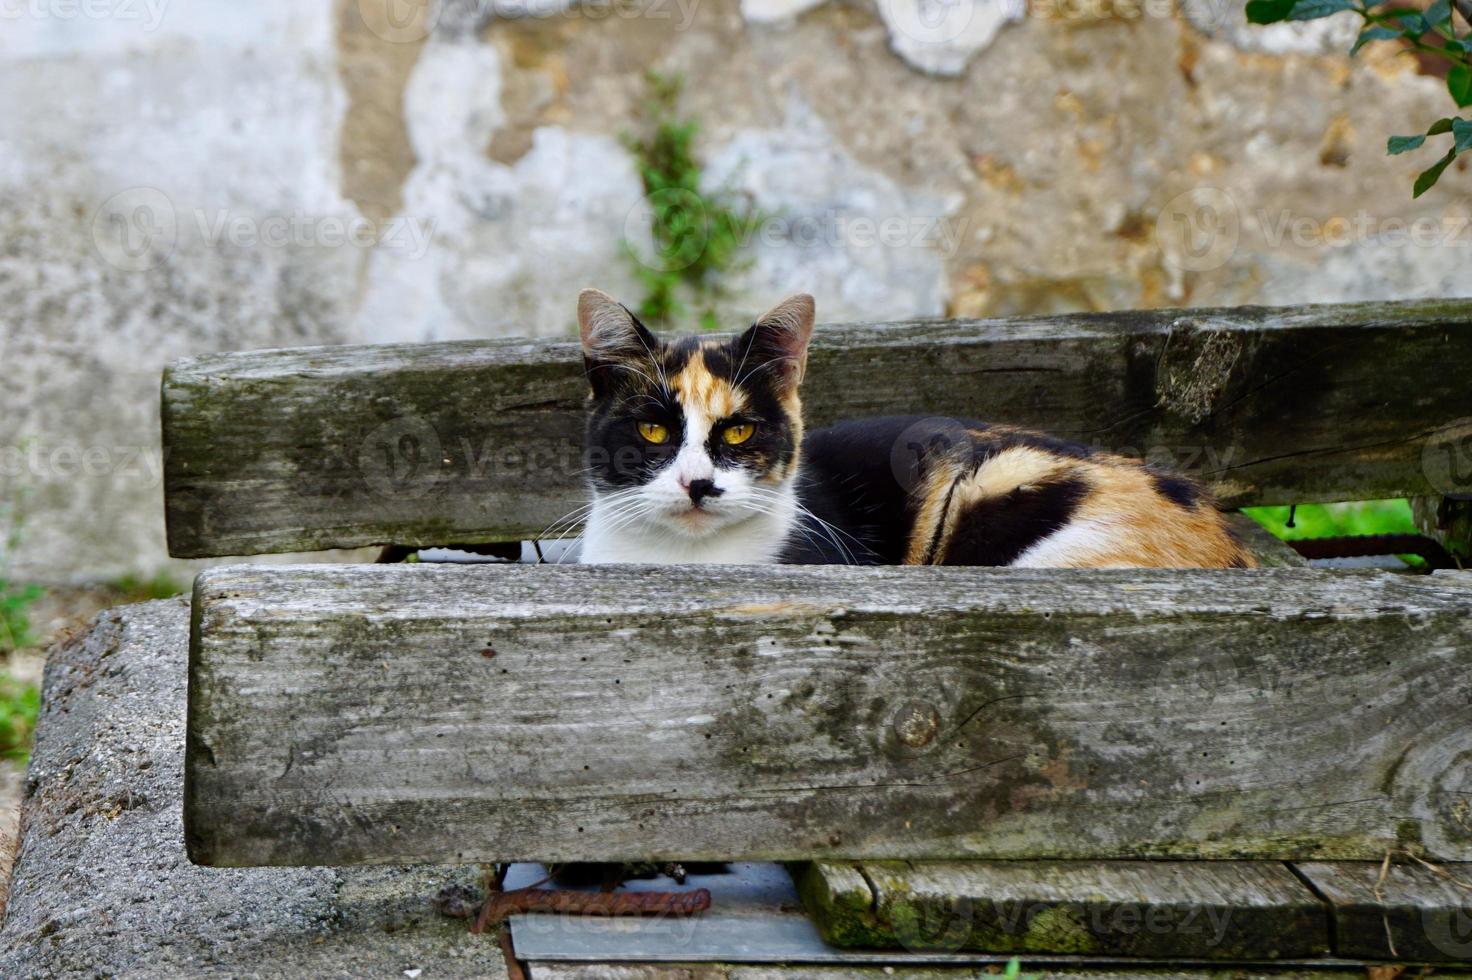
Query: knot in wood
{"type": "Point", "coordinates": [917, 724]}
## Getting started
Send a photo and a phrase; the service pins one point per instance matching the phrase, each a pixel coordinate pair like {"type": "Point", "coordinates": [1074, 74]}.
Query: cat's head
{"type": "Point", "coordinates": [694, 435]}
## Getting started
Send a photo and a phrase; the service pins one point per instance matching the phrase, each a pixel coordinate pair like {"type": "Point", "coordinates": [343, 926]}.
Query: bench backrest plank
{"type": "Point", "coordinates": [301, 450]}
{"type": "Point", "coordinates": [389, 714]}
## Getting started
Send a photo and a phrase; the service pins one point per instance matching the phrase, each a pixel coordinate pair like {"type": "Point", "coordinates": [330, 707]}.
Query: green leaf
{"type": "Point", "coordinates": [1404, 144]}
{"type": "Point", "coordinates": [1412, 24]}
{"type": "Point", "coordinates": [1429, 177]}
{"type": "Point", "coordinates": [1459, 84]}
{"type": "Point", "coordinates": [1268, 11]}
{"type": "Point", "coordinates": [1373, 34]}
{"type": "Point", "coordinates": [1439, 127]}
{"type": "Point", "coordinates": [1314, 9]}
{"type": "Point", "coordinates": [1462, 133]}
{"type": "Point", "coordinates": [1439, 13]}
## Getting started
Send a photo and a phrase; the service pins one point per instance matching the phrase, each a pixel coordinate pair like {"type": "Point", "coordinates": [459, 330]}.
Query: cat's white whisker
{"type": "Point", "coordinates": [828, 530]}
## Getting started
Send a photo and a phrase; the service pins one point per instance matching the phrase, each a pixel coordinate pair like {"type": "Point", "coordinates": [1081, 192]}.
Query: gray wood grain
{"type": "Point", "coordinates": [1412, 913]}
{"type": "Point", "coordinates": [986, 970]}
{"type": "Point", "coordinates": [346, 714]}
{"type": "Point", "coordinates": [1232, 910]}
{"type": "Point", "coordinates": [300, 450]}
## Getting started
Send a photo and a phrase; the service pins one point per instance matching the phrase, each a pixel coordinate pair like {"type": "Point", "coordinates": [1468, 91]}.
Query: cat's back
{"type": "Point", "coordinates": [927, 490]}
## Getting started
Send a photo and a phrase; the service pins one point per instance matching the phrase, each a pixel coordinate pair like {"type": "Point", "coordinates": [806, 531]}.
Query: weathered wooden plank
{"type": "Point", "coordinates": [1233, 910]}
{"type": "Point", "coordinates": [542, 970]}
{"type": "Point", "coordinates": [344, 714]}
{"type": "Point", "coordinates": [1412, 913]}
{"type": "Point", "coordinates": [297, 450]}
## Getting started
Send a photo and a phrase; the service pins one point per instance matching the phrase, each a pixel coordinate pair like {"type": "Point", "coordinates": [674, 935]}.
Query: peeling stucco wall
{"type": "Point", "coordinates": [177, 178]}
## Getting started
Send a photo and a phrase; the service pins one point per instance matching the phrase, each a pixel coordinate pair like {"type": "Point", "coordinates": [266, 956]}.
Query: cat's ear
{"type": "Point", "coordinates": [778, 341]}
{"type": "Point", "coordinates": [609, 330]}
{"type": "Point", "coordinates": [611, 336]}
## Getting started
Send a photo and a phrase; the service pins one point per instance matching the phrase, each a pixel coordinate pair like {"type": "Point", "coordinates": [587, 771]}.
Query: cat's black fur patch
{"type": "Point", "coordinates": [1177, 489]}
{"type": "Point", "coordinates": [997, 530]}
{"type": "Point", "coordinates": [616, 456]}
{"type": "Point", "coordinates": [847, 480]}
{"type": "Point", "coordinates": [850, 478]}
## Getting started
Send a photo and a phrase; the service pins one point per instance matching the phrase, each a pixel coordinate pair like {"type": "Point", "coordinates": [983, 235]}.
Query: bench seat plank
{"type": "Point", "coordinates": [543, 970]}
{"type": "Point", "coordinates": [1234, 910]}
{"type": "Point", "coordinates": [418, 713]}
{"type": "Point", "coordinates": [433, 444]}
{"type": "Point", "coordinates": [1412, 913]}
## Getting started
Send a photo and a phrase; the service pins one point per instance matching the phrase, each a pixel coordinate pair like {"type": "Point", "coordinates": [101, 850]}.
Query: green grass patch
{"type": "Point", "coordinates": [15, 622]}
{"type": "Point", "coordinates": [134, 588]}
{"type": "Point", "coordinates": [1340, 520]}
{"type": "Point", "coordinates": [1336, 520]}
{"type": "Point", "coordinates": [19, 706]}
{"type": "Point", "coordinates": [697, 233]}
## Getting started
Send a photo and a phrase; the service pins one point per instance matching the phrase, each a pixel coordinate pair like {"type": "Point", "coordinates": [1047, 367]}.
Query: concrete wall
{"type": "Point", "coordinates": [177, 178]}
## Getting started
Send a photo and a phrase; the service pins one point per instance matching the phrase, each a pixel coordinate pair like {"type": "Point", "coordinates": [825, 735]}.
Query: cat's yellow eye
{"type": "Point", "coordinates": [735, 435]}
{"type": "Point", "coordinates": [654, 432]}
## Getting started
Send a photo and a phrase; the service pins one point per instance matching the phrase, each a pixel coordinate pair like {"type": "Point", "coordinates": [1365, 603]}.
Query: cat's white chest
{"type": "Point", "coordinates": [756, 541]}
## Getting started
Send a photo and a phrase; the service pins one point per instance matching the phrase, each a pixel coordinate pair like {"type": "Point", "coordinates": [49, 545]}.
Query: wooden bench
{"type": "Point", "coordinates": [1109, 767]}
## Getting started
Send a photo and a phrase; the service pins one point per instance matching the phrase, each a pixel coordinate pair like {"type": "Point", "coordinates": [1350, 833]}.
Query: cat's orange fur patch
{"type": "Point", "coordinates": [1148, 531]}
{"type": "Point", "coordinates": [699, 391]}
{"type": "Point", "coordinates": [1122, 521]}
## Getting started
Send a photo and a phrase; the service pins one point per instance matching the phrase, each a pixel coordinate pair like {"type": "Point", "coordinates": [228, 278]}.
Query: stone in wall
{"type": "Point", "coordinates": [872, 249]}
{"type": "Point", "coordinates": [942, 36]}
{"type": "Point", "coordinates": [775, 11]}
{"type": "Point", "coordinates": [510, 243]}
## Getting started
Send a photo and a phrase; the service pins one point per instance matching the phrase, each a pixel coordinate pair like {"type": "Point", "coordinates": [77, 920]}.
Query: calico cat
{"type": "Point", "coordinates": [696, 453]}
